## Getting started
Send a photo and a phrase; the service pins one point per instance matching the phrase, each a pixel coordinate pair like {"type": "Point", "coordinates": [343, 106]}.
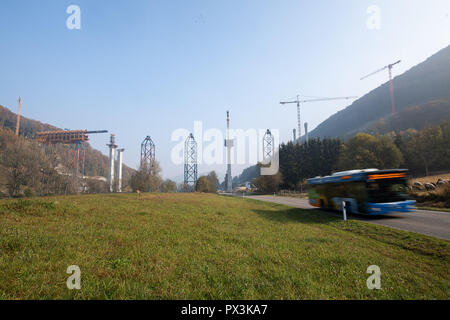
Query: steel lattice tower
{"type": "Point", "coordinates": [268, 145]}
{"type": "Point", "coordinates": [147, 152]}
{"type": "Point", "coordinates": [190, 161]}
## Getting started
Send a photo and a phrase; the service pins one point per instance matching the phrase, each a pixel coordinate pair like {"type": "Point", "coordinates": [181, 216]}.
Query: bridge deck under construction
{"type": "Point", "coordinates": [72, 136]}
{"type": "Point", "coordinates": [65, 136]}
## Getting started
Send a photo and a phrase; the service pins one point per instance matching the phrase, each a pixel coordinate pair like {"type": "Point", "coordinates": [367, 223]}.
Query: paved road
{"type": "Point", "coordinates": [431, 223]}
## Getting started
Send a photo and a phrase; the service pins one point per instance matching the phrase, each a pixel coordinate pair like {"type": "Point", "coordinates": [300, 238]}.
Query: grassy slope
{"type": "Point", "coordinates": [193, 246]}
{"type": "Point", "coordinates": [432, 203]}
{"type": "Point", "coordinates": [434, 179]}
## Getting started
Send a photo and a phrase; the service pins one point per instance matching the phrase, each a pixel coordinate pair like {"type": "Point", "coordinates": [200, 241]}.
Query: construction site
{"type": "Point", "coordinates": [233, 157]}
{"type": "Point", "coordinates": [76, 141]}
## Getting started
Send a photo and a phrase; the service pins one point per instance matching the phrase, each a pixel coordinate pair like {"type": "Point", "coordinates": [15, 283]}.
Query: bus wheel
{"type": "Point", "coordinates": [322, 206]}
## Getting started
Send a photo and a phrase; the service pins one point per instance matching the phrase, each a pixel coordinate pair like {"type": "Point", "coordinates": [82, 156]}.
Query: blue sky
{"type": "Point", "coordinates": [139, 68]}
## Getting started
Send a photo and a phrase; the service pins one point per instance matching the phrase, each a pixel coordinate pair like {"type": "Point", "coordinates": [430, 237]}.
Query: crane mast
{"type": "Point", "coordinates": [298, 102]}
{"type": "Point", "coordinates": [391, 82]}
{"type": "Point", "coordinates": [18, 117]}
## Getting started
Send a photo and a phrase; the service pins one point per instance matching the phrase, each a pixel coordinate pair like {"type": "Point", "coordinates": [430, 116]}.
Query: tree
{"type": "Point", "coordinates": [213, 181]}
{"type": "Point", "coordinates": [366, 151]}
{"type": "Point", "coordinates": [168, 186]}
{"type": "Point", "coordinates": [146, 179]}
{"type": "Point", "coordinates": [300, 162]}
{"type": "Point", "coordinates": [428, 146]}
{"type": "Point", "coordinates": [268, 184]}
{"type": "Point", "coordinates": [26, 166]}
{"type": "Point", "coordinates": [208, 183]}
{"type": "Point", "coordinates": [202, 184]}
{"type": "Point", "coordinates": [155, 177]}
{"type": "Point", "coordinates": [96, 186]}
{"type": "Point", "coordinates": [425, 151]}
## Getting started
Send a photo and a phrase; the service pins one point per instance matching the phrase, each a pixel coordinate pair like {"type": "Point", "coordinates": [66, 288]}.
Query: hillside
{"type": "Point", "coordinates": [420, 87]}
{"type": "Point", "coordinates": [247, 175]}
{"type": "Point", "coordinates": [28, 127]}
{"type": "Point", "coordinates": [416, 117]}
{"type": "Point", "coordinates": [96, 163]}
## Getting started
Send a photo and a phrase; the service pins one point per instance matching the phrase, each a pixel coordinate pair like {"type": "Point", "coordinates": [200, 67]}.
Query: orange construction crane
{"type": "Point", "coordinates": [391, 82]}
{"type": "Point", "coordinates": [18, 117]}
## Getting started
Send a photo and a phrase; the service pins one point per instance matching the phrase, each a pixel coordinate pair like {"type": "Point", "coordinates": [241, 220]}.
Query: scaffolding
{"type": "Point", "coordinates": [190, 163]}
{"type": "Point", "coordinates": [268, 146]}
{"type": "Point", "coordinates": [147, 152]}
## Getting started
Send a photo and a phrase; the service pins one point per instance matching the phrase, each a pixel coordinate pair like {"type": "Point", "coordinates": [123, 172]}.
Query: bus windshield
{"type": "Point", "coordinates": [387, 190]}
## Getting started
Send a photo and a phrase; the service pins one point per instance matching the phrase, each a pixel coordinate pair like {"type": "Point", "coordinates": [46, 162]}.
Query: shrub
{"type": "Point", "coordinates": [28, 193]}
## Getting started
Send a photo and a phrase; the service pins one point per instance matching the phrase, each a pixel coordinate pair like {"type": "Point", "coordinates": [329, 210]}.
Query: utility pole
{"type": "Point", "coordinates": [298, 101]}
{"type": "Point", "coordinates": [391, 82]}
{"type": "Point", "coordinates": [229, 144]}
{"type": "Point", "coordinates": [18, 117]}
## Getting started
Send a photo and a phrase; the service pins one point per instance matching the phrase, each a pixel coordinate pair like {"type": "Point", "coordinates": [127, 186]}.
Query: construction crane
{"type": "Point", "coordinates": [18, 117]}
{"type": "Point", "coordinates": [391, 83]}
{"type": "Point", "coordinates": [298, 101]}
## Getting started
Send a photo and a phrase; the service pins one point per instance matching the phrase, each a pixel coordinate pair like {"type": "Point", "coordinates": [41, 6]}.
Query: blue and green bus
{"type": "Point", "coordinates": [369, 191]}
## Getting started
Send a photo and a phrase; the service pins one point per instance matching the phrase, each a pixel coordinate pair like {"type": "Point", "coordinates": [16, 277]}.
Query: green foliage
{"type": "Point", "coordinates": [300, 162]}
{"type": "Point", "coordinates": [202, 184]}
{"type": "Point", "coordinates": [421, 152]}
{"type": "Point", "coordinates": [28, 193]}
{"type": "Point", "coordinates": [366, 151]}
{"type": "Point", "coordinates": [268, 184]}
{"type": "Point", "coordinates": [168, 186]}
{"type": "Point", "coordinates": [213, 181]}
{"type": "Point", "coordinates": [425, 151]}
{"type": "Point", "coordinates": [207, 184]}
{"type": "Point", "coordinates": [147, 178]}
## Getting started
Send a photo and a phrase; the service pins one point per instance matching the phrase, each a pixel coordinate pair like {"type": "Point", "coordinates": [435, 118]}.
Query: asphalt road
{"type": "Point", "coordinates": [431, 223]}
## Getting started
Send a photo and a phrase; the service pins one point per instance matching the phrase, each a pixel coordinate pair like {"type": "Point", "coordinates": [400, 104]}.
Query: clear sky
{"type": "Point", "coordinates": [139, 68]}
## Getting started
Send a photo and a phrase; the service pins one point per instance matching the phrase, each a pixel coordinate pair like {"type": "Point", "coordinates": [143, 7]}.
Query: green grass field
{"type": "Point", "coordinates": [194, 246]}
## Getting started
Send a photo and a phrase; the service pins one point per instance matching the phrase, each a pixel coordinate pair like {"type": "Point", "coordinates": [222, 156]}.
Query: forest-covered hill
{"type": "Point", "coordinates": [415, 117]}
{"type": "Point", "coordinates": [422, 95]}
{"type": "Point", "coordinates": [96, 163]}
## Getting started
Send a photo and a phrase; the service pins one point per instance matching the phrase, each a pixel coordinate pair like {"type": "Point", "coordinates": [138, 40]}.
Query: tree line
{"type": "Point", "coordinates": [148, 179]}
{"type": "Point", "coordinates": [27, 169]}
{"type": "Point", "coordinates": [422, 152]}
